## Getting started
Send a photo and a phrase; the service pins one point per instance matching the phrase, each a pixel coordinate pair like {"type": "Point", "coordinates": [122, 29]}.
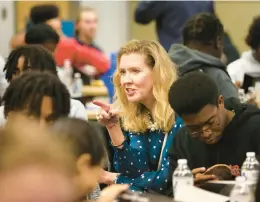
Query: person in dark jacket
{"type": "Point", "coordinates": [170, 17]}
{"type": "Point", "coordinates": [212, 134]}
{"type": "Point", "coordinates": [201, 50]}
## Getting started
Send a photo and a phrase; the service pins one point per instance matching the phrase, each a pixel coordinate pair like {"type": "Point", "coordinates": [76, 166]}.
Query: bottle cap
{"type": "Point", "coordinates": [182, 161]}
{"type": "Point", "coordinates": [250, 154]}
{"type": "Point", "coordinates": [77, 75]}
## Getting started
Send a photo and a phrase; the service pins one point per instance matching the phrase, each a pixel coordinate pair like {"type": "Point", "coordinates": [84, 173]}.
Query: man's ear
{"type": "Point", "coordinates": [221, 102]}
{"type": "Point", "coordinates": [83, 162]}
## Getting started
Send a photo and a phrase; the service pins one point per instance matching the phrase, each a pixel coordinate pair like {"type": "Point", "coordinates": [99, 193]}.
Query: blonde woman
{"type": "Point", "coordinates": [141, 123]}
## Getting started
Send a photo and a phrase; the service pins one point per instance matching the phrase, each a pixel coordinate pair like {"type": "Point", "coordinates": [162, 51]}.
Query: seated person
{"type": "Point", "coordinates": [33, 167]}
{"type": "Point", "coordinates": [212, 134]}
{"type": "Point", "coordinates": [201, 51]}
{"type": "Point", "coordinates": [68, 48]}
{"type": "Point", "coordinates": [141, 123]}
{"type": "Point", "coordinates": [250, 60]}
{"type": "Point", "coordinates": [3, 82]}
{"type": "Point", "coordinates": [38, 95]}
{"type": "Point", "coordinates": [44, 35]}
{"type": "Point", "coordinates": [88, 150]}
{"type": "Point", "coordinates": [34, 57]}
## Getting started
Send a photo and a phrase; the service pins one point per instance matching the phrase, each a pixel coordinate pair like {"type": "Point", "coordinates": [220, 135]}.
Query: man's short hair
{"type": "Point", "coordinates": [253, 36]}
{"type": "Point", "coordinates": [192, 92]}
{"type": "Point", "coordinates": [203, 27]}
{"type": "Point", "coordinates": [26, 92]}
{"type": "Point", "coordinates": [40, 34]}
{"type": "Point", "coordinates": [42, 13]}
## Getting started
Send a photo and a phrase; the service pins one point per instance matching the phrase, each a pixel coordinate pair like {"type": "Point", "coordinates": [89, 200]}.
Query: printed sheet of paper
{"type": "Point", "coordinates": [194, 194]}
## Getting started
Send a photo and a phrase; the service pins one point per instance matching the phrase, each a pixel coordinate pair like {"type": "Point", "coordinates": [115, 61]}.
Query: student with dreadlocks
{"type": "Point", "coordinates": [201, 51]}
{"type": "Point", "coordinates": [39, 95]}
{"type": "Point", "coordinates": [35, 57]}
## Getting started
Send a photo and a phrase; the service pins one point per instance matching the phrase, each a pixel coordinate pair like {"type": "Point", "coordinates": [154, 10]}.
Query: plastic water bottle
{"type": "Point", "coordinates": [67, 73]}
{"type": "Point", "coordinates": [242, 95]}
{"type": "Point", "coordinates": [182, 175]}
{"type": "Point", "coordinates": [241, 191]}
{"type": "Point", "coordinates": [250, 168]}
{"type": "Point", "coordinates": [77, 86]}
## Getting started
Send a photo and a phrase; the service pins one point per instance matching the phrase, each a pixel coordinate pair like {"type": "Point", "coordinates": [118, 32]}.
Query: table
{"type": "Point", "coordinates": [94, 91]}
{"type": "Point", "coordinates": [92, 114]}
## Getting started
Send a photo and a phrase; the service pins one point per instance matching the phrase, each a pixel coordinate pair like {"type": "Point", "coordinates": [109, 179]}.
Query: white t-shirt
{"type": "Point", "coordinates": [77, 110]}
{"type": "Point", "coordinates": [246, 64]}
{"type": "Point", "coordinates": [3, 82]}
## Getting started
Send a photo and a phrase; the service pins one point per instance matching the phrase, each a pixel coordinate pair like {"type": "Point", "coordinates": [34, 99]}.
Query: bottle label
{"type": "Point", "coordinates": [251, 175]}
{"type": "Point", "coordinates": [180, 182]}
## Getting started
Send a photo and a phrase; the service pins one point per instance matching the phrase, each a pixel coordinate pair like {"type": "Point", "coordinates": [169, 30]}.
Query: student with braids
{"type": "Point", "coordinates": [201, 51]}
{"type": "Point", "coordinates": [39, 95]}
{"type": "Point", "coordinates": [35, 57]}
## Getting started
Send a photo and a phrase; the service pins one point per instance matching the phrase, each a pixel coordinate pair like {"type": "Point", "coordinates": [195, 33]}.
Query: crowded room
{"type": "Point", "coordinates": [130, 101]}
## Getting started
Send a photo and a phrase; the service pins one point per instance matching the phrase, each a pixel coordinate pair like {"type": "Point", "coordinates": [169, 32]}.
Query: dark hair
{"type": "Point", "coordinates": [253, 36]}
{"type": "Point", "coordinates": [191, 92]}
{"type": "Point", "coordinates": [83, 137]}
{"type": "Point", "coordinates": [42, 13]}
{"type": "Point", "coordinates": [36, 58]}
{"type": "Point", "coordinates": [40, 34]}
{"type": "Point", "coordinates": [202, 27]}
{"type": "Point", "coordinates": [27, 91]}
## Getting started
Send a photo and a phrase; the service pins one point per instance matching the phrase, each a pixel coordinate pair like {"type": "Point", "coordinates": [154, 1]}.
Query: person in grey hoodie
{"type": "Point", "coordinates": [201, 51]}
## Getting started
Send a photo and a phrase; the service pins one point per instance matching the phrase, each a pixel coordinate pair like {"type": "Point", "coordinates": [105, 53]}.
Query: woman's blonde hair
{"type": "Point", "coordinates": [135, 115]}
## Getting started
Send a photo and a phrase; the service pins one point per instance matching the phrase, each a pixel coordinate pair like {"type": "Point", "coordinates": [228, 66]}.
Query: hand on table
{"type": "Point", "coordinates": [199, 177]}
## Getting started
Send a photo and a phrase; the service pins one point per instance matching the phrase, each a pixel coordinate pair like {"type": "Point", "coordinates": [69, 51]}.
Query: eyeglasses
{"type": "Point", "coordinates": [197, 131]}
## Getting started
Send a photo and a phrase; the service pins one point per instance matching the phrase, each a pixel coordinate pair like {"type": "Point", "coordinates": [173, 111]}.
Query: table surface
{"type": "Point", "coordinates": [94, 91]}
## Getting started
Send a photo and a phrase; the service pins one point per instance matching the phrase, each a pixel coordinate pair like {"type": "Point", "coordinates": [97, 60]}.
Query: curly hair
{"type": "Point", "coordinates": [253, 36]}
{"type": "Point", "coordinates": [202, 27]}
{"type": "Point", "coordinates": [191, 92]}
{"type": "Point", "coordinates": [40, 34]}
{"type": "Point", "coordinates": [42, 13]}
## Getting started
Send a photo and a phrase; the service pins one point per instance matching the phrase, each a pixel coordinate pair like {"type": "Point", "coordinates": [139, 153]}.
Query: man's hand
{"type": "Point", "coordinates": [199, 177]}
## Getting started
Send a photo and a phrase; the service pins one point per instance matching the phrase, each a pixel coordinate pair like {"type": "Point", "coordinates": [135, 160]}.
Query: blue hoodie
{"type": "Point", "coordinates": [170, 17]}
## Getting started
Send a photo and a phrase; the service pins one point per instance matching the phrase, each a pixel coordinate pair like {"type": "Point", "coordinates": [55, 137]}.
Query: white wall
{"type": "Point", "coordinates": [113, 23]}
{"type": "Point", "coordinates": [7, 26]}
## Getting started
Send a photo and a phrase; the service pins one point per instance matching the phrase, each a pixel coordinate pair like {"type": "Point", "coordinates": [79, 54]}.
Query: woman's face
{"type": "Point", "coordinates": [136, 78]}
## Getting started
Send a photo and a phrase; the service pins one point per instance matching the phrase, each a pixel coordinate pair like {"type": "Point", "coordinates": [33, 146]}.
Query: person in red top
{"type": "Point", "coordinates": [69, 48]}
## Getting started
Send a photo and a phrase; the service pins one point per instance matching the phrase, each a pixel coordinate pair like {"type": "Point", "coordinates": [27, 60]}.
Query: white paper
{"type": "Point", "coordinates": [232, 182]}
{"type": "Point", "coordinates": [194, 194]}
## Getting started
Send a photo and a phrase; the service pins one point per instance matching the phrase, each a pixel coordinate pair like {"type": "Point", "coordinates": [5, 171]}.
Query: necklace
{"type": "Point", "coordinates": [152, 125]}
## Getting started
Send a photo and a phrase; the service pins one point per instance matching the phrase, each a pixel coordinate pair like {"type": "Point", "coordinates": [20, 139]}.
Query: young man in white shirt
{"type": "Point", "coordinates": [250, 60]}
